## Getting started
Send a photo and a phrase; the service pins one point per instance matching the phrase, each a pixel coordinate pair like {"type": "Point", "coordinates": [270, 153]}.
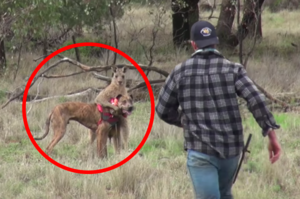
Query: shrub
{"type": "Point", "coordinates": [277, 5]}
{"type": "Point", "coordinates": [87, 51]}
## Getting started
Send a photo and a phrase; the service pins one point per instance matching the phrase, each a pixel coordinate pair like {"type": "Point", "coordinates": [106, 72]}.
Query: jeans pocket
{"type": "Point", "coordinates": [196, 159]}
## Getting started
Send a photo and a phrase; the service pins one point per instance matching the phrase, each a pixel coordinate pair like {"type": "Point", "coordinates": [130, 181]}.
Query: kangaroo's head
{"type": "Point", "coordinates": [119, 76]}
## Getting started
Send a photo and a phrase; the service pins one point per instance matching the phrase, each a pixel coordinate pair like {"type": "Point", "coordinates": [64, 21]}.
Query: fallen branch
{"type": "Point", "coordinates": [32, 83]}
{"type": "Point", "coordinates": [69, 95]}
{"type": "Point", "coordinates": [85, 89]}
{"type": "Point", "coordinates": [31, 97]}
{"type": "Point", "coordinates": [62, 76]}
{"type": "Point", "coordinates": [102, 77]}
{"type": "Point", "coordinates": [82, 66]}
{"type": "Point", "coordinates": [58, 96]}
{"type": "Point", "coordinates": [108, 80]}
{"type": "Point", "coordinates": [84, 69]}
{"type": "Point", "coordinates": [44, 56]}
{"type": "Point", "coordinates": [152, 68]}
{"type": "Point", "coordinates": [143, 84]}
{"type": "Point", "coordinates": [270, 97]}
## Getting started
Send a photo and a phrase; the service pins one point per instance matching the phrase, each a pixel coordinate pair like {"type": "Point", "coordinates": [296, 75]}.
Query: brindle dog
{"type": "Point", "coordinates": [89, 116]}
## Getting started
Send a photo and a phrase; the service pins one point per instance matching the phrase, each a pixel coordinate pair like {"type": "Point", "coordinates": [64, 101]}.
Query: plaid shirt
{"type": "Point", "coordinates": [205, 87]}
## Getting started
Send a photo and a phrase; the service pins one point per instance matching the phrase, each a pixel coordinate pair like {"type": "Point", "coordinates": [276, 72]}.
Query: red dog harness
{"type": "Point", "coordinates": [108, 116]}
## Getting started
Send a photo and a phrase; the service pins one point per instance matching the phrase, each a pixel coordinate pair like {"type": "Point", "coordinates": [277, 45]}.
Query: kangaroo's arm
{"type": "Point", "coordinates": [104, 100]}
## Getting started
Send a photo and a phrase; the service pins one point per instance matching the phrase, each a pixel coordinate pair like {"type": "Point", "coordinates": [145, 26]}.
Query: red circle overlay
{"type": "Point", "coordinates": [100, 46]}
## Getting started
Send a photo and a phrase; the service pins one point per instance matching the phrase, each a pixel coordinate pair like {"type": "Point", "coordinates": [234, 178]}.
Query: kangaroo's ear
{"type": "Point", "coordinates": [114, 68]}
{"type": "Point", "coordinates": [124, 69]}
{"type": "Point", "coordinates": [119, 96]}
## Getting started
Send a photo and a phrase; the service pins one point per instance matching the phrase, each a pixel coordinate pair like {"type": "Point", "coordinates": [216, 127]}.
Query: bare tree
{"type": "Point", "coordinates": [225, 22]}
{"type": "Point", "coordinates": [185, 14]}
{"type": "Point", "coordinates": [251, 17]}
{"type": "Point", "coordinates": [2, 57]}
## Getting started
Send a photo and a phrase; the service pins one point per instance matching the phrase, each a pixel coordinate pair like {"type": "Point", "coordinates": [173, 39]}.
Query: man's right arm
{"type": "Point", "coordinates": [256, 104]}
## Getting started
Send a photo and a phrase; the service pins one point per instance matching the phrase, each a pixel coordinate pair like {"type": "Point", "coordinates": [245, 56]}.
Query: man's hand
{"type": "Point", "coordinates": [274, 147]}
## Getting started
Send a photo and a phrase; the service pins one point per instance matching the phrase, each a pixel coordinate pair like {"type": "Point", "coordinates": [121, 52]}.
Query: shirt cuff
{"type": "Point", "coordinates": [269, 123]}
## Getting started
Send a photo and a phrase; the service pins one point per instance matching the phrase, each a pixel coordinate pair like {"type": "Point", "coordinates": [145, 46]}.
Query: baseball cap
{"type": "Point", "coordinates": [204, 34]}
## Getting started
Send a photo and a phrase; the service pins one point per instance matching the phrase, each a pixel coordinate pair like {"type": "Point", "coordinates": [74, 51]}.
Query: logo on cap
{"type": "Point", "coordinates": [205, 31]}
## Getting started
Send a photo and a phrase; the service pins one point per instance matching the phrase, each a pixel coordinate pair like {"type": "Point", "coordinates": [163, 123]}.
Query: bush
{"type": "Point", "coordinates": [277, 5]}
{"type": "Point", "coordinates": [87, 51]}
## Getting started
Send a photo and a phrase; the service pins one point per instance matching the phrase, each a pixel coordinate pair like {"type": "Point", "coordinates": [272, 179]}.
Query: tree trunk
{"type": "Point", "coordinates": [45, 48]}
{"type": "Point", "coordinates": [225, 22]}
{"type": "Point", "coordinates": [2, 57]}
{"type": "Point", "coordinates": [254, 24]}
{"type": "Point", "coordinates": [252, 16]}
{"type": "Point", "coordinates": [76, 49]}
{"type": "Point", "coordinates": [193, 13]}
{"type": "Point", "coordinates": [183, 17]}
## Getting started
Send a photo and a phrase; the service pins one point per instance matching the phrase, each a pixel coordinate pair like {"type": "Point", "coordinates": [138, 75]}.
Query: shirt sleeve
{"type": "Point", "coordinates": [255, 102]}
{"type": "Point", "coordinates": [167, 106]}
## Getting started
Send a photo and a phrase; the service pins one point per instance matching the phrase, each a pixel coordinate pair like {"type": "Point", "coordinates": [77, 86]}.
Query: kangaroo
{"type": "Point", "coordinates": [117, 86]}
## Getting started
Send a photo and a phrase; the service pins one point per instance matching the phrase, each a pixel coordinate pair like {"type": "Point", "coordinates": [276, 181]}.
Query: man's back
{"type": "Point", "coordinates": [206, 87]}
{"type": "Point", "coordinates": [207, 95]}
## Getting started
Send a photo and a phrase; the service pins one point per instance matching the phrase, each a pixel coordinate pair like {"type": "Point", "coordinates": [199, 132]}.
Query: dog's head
{"type": "Point", "coordinates": [125, 102]}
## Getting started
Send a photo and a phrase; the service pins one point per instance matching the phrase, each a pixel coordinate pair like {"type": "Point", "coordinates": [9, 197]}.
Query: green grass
{"type": "Point", "coordinates": [71, 150]}
{"type": "Point", "coordinates": [2, 95]}
{"type": "Point", "coordinates": [152, 146]}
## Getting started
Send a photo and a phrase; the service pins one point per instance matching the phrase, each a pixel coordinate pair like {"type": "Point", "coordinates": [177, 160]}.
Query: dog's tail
{"type": "Point", "coordinates": [47, 127]}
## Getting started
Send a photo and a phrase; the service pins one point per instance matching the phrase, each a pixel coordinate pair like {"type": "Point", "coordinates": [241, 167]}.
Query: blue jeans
{"type": "Point", "coordinates": [212, 177]}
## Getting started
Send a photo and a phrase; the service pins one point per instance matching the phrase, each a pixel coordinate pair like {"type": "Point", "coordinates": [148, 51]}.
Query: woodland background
{"type": "Point", "coordinates": [262, 35]}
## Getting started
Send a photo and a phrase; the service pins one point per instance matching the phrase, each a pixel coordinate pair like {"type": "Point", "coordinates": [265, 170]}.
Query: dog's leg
{"type": "Point", "coordinates": [57, 137]}
{"type": "Point", "coordinates": [102, 134]}
{"type": "Point", "coordinates": [59, 126]}
{"type": "Point", "coordinates": [116, 138]}
{"type": "Point", "coordinates": [123, 124]}
{"type": "Point", "coordinates": [93, 136]}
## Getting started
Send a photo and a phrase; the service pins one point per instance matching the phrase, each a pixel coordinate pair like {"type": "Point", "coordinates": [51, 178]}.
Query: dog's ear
{"type": "Point", "coordinates": [119, 96]}
{"type": "Point", "coordinates": [114, 68]}
{"type": "Point", "coordinates": [124, 69]}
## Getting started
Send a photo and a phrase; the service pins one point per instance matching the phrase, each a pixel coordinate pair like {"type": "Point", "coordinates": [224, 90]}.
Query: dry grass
{"type": "Point", "coordinates": [159, 169]}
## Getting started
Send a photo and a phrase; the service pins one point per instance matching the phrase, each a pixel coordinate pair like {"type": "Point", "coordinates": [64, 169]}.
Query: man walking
{"type": "Point", "coordinates": [206, 87]}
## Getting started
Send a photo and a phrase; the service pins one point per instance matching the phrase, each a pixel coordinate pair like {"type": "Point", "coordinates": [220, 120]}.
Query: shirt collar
{"type": "Point", "coordinates": [202, 51]}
